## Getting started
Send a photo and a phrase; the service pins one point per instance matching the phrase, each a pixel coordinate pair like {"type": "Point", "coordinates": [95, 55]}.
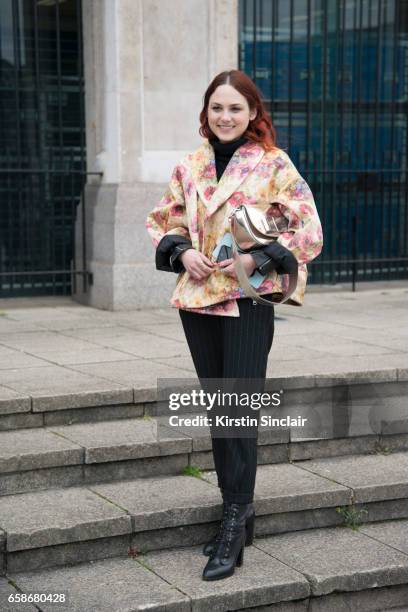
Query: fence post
{"type": "Point", "coordinates": [354, 242]}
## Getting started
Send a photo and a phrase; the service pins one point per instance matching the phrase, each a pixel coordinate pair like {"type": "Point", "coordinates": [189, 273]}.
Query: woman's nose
{"type": "Point", "coordinates": [225, 116]}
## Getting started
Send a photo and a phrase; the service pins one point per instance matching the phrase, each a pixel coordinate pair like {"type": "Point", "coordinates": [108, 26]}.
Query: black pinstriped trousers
{"type": "Point", "coordinates": [232, 347]}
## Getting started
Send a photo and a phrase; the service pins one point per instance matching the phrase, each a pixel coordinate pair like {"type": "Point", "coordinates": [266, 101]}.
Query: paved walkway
{"type": "Point", "coordinates": [55, 347]}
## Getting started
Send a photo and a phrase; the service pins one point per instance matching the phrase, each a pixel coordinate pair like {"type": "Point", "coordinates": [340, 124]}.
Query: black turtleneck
{"type": "Point", "coordinates": [223, 151]}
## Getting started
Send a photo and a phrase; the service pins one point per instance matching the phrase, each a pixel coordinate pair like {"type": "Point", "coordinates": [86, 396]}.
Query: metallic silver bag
{"type": "Point", "coordinates": [251, 227]}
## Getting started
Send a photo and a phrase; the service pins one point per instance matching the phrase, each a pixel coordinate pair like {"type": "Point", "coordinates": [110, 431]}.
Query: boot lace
{"type": "Point", "coordinates": [228, 530]}
{"type": "Point", "coordinates": [222, 524]}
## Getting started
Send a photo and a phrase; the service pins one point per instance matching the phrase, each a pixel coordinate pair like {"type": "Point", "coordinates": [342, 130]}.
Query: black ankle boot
{"type": "Point", "coordinates": [230, 548]}
{"type": "Point", "coordinates": [211, 546]}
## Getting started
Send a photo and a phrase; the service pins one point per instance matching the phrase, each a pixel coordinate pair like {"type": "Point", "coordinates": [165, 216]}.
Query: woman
{"type": "Point", "coordinates": [229, 335]}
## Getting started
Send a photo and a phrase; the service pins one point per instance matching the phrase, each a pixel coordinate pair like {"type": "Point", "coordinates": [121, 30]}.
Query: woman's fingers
{"type": "Point", "coordinates": [229, 270]}
{"type": "Point", "coordinates": [206, 260]}
{"type": "Point", "coordinates": [225, 263]}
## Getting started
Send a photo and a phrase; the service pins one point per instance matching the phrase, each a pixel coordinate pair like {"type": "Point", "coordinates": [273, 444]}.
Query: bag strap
{"type": "Point", "coordinates": [247, 287]}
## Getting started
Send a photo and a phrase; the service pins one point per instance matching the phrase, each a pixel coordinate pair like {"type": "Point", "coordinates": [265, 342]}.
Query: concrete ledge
{"type": "Point", "coordinates": [338, 559]}
{"type": "Point", "coordinates": [48, 528]}
{"type": "Point", "coordinates": [2, 553]}
{"type": "Point", "coordinates": [44, 395]}
{"type": "Point", "coordinates": [12, 402]}
{"type": "Point", "coordinates": [131, 584]}
{"type": "Point", "coordinates": [122, 449]}
{"type": "Point", "coordinates": [122, 584]}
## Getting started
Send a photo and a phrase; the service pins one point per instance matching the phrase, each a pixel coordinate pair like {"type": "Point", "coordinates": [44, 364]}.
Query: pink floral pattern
{"type": "Point", "coordinates": [197, 207]}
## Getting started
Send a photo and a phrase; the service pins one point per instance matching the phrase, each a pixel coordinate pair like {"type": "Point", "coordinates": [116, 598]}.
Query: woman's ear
{"type": "Point", "coordinates": [252, 114]}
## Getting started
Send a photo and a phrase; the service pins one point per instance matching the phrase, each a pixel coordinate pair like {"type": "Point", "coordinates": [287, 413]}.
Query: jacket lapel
{"type": "Point", "coordinates": [241, 164]}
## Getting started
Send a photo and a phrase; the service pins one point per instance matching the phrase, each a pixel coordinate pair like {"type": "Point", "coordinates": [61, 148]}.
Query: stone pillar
{"type": "Point", "coordinates": [147, 65]}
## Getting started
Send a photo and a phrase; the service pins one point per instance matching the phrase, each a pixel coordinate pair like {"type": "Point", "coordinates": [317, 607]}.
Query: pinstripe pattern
{"type": "Point", "coordinates": [233, 347]}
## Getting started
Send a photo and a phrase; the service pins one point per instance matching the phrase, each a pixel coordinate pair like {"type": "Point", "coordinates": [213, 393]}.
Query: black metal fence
{"type": "Point", "coordinates": [38, 253]}
{"type": "Point", "coordinates": [334, 76]}
{"type": "Point", "coordinates": [42, 145]}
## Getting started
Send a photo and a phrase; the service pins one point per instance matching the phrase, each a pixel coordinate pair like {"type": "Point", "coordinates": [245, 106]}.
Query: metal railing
{"type": "Point", "coordinates": [42, 146]}
{"type": "Point", "coordinates": [334, 76]}
{"type": "Point", "coordinates": [364, 213]}
{"type": "Point", "coordinates": [38, 245]}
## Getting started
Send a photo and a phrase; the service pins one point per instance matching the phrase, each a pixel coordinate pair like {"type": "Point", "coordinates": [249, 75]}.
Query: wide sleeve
{"type": "Point", "coordinates": [294, 200]}
{"type": "Point", "coordinates": [167, 225]}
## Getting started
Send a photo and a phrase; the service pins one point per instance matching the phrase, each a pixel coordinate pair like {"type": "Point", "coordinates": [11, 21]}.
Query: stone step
{"type": "Point", "coordinates": [88, 453]}
{"type": "Point", "coordinates": [79, 524]}
{"type": "Point", "coordinates": [372, 400]}
{"type": "Point", "coordinates": [316, 570]}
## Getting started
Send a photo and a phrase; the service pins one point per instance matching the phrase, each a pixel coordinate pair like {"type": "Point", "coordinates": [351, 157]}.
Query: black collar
{"type": "Point", "coordinates": [226, 149]}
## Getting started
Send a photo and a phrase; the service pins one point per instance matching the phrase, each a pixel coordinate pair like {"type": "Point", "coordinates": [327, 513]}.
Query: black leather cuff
{"type": "Point", "coordinates": [175, 263]}
{"type": "Point", "coordinates": [285, 261]}
{"type": "Point", "coordinates": [165, 250]}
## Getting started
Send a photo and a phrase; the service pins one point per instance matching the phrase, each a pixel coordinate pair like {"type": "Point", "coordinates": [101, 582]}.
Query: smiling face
{"type": "Point", "coordinates": [228, 113]}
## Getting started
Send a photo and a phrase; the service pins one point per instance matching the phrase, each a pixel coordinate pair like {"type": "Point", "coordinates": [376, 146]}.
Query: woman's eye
{"type": "Point", "coordinates": [234, 110]}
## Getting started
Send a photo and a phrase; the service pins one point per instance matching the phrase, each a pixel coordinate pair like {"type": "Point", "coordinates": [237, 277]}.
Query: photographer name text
{"type": "Point", "coordinates": [246, 421]}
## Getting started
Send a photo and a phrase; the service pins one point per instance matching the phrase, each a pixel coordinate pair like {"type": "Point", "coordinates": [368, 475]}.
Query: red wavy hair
{"type": "Point", "coordinates": [260, 129]}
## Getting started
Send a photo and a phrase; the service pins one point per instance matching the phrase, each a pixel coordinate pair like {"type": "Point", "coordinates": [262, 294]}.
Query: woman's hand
{"type": "Point", "coordinates": [228, 267]}
{"type": "Point", "coordinates": [197, 264]}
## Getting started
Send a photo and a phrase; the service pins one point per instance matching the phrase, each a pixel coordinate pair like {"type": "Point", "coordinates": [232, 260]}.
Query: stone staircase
{"type": "Point", "coordinates": [100, 499]}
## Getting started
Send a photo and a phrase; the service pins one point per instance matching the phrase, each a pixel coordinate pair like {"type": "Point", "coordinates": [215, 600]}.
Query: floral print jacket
{"type": "Point", "coordinates": [196, 207]}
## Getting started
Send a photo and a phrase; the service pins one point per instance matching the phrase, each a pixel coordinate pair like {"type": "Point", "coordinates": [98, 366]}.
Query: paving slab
{"type": "Point", "coordinates": [339, 346]}
{"type": "Point", "coordinates": [124, 439]}
{"type": "Point", "coordinates": [58, 388]}
{"type": "Point", "coordinates": [261, 580]}
{"type": "Point", "coordinates": [47, 518]}
{"type": "Point", "coordinates": [12, 358]}
{"type": "Point", "coordinates": [134, 341]}
{"type": "Point", "coordinates": [290, 352]}
{"type": "Point", "coordinates": [82, 320]}
{"type": "Point", "coordinates": [73, 357]}
{"type": "Point", "coordinates": [372, 368]}
{"type": "Point", "coordinates": [381, 338]}
{"type": "Point", "coordinates": [42, 308]}
{"type": "Point", "coordinates": [104, 586]}
{"type": "Point", "coordinates": [43, 340]}
{"type": "Point", "coordinates": [7, 590]}
{"type": "Point", "coordinates": [383, 599]}
{"type": "Point", "coordinates": [172, 331]}
{"type": "Point", "coordinates": [160, 502]}
{"type": "Point", "coordinates": [183, 362]}
{"type": "Point", "coordinates": [338, 559]}
{"type": "Point", "coordinates": [286, 488]}
{"type": "Point", "coordinates": [12, 401]}
{"type": "Point", "coordinates": [392, 533]}
{"type": "Point", "coordinates": [146, 316]}
{"type": "Point", "coordinates": [141, 374]}
{"type": "Point", "coordinates": [29, 449]}
{"type": "Point", "coordinates": [300, 450]}
{"type": "Point", "coordinates": [10, 326]}
{"type": "Point", "coordinates": [371, 477]}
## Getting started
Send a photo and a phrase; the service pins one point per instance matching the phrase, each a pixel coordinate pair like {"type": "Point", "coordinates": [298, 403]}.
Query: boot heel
{"type": "Point", "coordinates": [249, 527]}
{"type": "Point", "coordinates": [240, 558]}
